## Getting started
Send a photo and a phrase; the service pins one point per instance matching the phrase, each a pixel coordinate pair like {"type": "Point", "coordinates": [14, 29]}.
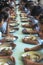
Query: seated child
{"type": "Point", "coordinates": [28, 7]}
{"type": "Point", "coordinates": [3, 22]}
{"type": "Point", "coordinates": [35, 18]}
{"type": "Point", "coordinates": [22, 5]}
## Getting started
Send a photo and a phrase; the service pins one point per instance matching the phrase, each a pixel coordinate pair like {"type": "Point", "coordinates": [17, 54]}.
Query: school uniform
{"type": "Point", "coordinates": [27, 11]}
{"type": "Point", "coordinates": [12, 4]}
{"type": "Point", "coordinates": [36, 23]}
{"type": "Point", "coordinates": [37, 28]}
{"type": "Point", "coordinates": [4, 27]}
{"type": "Point", "coordinates": [40, 41]}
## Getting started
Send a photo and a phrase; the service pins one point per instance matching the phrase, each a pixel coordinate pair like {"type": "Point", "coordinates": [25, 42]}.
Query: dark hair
{"type": "Point", "coordinates": [36, 11]}
{"type": "Point", "coordinates": [29, 5]}
{"type": "Point", "coordinates": [1, 7]}
{"type": "Point", "coordinates": [5, 14]}
{"type": "Point", "coordinates": [24, 1]}
{"type": "Point", "coordinates": [5, 9]}
{"type": "Point", "coordinates": [38, 0]}
{"type": "Point", "coordinates": [1, 17]}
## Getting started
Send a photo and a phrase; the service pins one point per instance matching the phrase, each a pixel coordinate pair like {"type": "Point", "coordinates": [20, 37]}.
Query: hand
{"type": "Point", "coordinates": [9, 52]}
{"type": "Point", "coordinates": [28, 61]}
{"type": "Point", "coordinates": [12, 59]}
{"type": "Point", "coordinates": [27, 49]}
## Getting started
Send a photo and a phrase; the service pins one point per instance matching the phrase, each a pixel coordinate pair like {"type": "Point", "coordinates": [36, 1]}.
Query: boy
{"type": "Point", "coordinates": [35, 18]}
{"type": "Point", "coordinates": [3, 22]}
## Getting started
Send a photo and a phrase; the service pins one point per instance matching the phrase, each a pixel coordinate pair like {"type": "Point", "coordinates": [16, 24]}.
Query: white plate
{"type": "Point", "coordinates": [6, 64]}
{"type": "Point", "coordinates": [12, 31]}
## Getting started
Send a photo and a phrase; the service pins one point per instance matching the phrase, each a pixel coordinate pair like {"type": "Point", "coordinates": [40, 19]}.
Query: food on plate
{"type": "Point", "coordinates": [10, 38]}
{"type": "Point", "coordinates": [29, 31]}
{"type": "Point", "coordinates": [33, 56]}
{"type": "Point", "coordinates": [6, 48]}
{"type": "Point", "coordinates": [7, 60]}
{"type": "Point", "coordinates": [30, 40]}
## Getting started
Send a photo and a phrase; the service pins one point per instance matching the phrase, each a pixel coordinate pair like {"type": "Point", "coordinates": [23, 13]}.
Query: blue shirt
{"type": "Point", "coordinates": [27, 11]}
{"type": "Point", "coordinates": [40, 41]}
{"type": "Point", "coordinates": [35, 22]}
{"type": "Point", "coordinates": [4, 27]}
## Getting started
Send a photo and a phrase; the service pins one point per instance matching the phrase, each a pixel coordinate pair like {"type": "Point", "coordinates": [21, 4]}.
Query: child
{"type": "Point", "coordinates": [29, 6]}
{"type": "Point", "coordinates": [35, 18]}
{"type": "Point", "coordinates": [22, 5]}
{"type": "Point", "coordinates": [3, 22]}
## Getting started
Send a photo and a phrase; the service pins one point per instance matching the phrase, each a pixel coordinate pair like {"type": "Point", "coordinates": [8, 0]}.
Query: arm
{"type": "Point", "coordinates": [30, 62]}
{"type": "Point", "coordinates": [7, 29]}
{"type": "Point", "coordinates": [37, 48]}
{"type": "Point", "coordinates": [38, 64]}
{"type": "Point", "coordinates": [30, 26]}
{"type": "Point", "coordinates": [34, 48]}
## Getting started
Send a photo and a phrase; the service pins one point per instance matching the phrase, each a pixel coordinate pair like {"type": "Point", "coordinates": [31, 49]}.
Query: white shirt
{"type": "Point", "coordinates": [27, 11]}
{"type": "Point", "coordinates": [4, 26]}
{"type": "Point", "coordinates": [35, 21]}
{"type": "Point", "coordinates": [12, 4]}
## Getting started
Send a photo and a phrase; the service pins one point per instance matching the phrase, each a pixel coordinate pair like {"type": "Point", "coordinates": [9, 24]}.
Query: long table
{"type": "Point", "coordinates": [17, 52]}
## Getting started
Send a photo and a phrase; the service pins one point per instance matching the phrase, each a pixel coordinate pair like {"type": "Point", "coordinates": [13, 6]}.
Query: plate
{"type": "Point", "coordinates": [23, 15]}
{"type": "Point", "coordinates": [29, 31]}
{"type": "Point", "coordinates": [11, 39]}
{"type": "Point", "coordinates": [7, 60]}
{"type": "Point", "coordinates": [26, 25]}
{"type": "Point", "coordinates": [32, 55]}
{"type": "Point", "coordinates": [12, 29]}
{"type": "Point", "coordinates": [13, 21]}
{"type": "Point", "coordinates": [6, 48]}
{"type": "Point", "coordinates": [13, 16]}
{"type": "Point", "coordinates": [13, 24]}
{"type": "Point", "coordinates": [24, 20]}
{"type": "Point", "coordinates": [31, 37]}
{"type": "Point", "coordinates": [7, 45]}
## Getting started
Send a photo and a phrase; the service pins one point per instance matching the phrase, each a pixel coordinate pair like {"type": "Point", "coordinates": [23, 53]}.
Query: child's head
{"type": "Point", "coordinates": [23, 2]}
{"type": "Point", "coordinates": [29, 5]}
{"type": "Point", "coordinates": [5, 15]}
{"type": "Point", "coordinates": [6, 9]}
{"type": "Point", "coordinates": [36, 12]}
